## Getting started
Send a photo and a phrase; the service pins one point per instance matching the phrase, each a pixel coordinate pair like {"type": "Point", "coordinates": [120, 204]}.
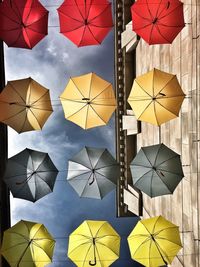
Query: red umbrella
{"type": "Point", "coordinates": [23, 23]}
{"type": "Point", "coordinates": [85, 22]}
{"type": "Point", "coordinates": [157, 21]}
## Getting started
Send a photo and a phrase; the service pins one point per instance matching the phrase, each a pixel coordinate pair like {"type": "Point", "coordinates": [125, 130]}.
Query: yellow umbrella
{"type": "Point", "coordinates": [94, 243]}
{"type": "Point", "coordinates": [25, 105]}
{"type": "Point", "coordinates": [88, 101]}
{"type": "Point", "coordinates": [27, 244]}
{"type": "Point", "coordinates": [154, 242]}
{"type": "Point", "coordinates": [156, 97]}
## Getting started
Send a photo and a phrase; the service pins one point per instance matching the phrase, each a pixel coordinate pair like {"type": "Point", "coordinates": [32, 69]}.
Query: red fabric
{"type": "Point", "coordinates": [85, 22]}
{"type": "Point", "coordinates": [23, 23]}
{"type": "Point", "coordinates": [157, 21]}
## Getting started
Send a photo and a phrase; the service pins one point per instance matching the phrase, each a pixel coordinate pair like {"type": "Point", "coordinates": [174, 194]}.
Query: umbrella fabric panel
{"type": "Point", "coordinates": [23, 23]}
{"type": "Point", "coordinates": [156, 22]}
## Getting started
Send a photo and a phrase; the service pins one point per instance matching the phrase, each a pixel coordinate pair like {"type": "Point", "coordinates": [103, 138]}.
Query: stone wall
{"type": "Point", "coordinates": [181, 134]}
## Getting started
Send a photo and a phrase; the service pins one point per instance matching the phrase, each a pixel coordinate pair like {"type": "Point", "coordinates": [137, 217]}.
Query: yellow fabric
{"type": "Point", "coordinates": [154, 242]}
{"type": "Point", "coordinates": [25, 105]}
{"type": "Point", "coordinates": [88, 101]}
{"type": "Point", "coordinates": [82, 251]}
{"type": "Point", "coordinates": [27, 244]}
{"type": "Point", "coordinates": [156, 97]}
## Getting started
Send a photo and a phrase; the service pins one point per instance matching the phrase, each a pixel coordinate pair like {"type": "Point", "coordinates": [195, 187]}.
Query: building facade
{"type": "Point", "coordinates": [182, 134]}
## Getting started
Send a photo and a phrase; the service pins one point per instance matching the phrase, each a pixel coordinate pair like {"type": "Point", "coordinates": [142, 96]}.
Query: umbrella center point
{"type": "Point", "coordinates": [87, 99]}
{"type": "Point", "coordinates": [86, 22]}
{"type": "Point", "coordinates": [23, 25]}
{"type": "Point", "coordinates": [28, 106]}
{"type": "Point", "coordinates": [153, 238]}
{"type": "Point", "coordinates": [155, 20]}
{"type": "Point", "coordinates": [93, 170]}
{"type": "Point", "coordinates": [154, 168]}
{"type": "Point", "coordinates": [33, 173]}
{"type": "Point", "coordinates": [153, 98]}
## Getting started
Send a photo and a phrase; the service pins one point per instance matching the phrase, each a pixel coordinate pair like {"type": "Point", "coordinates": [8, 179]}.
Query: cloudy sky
{"type": "Point", "coordinates": [51, 63]}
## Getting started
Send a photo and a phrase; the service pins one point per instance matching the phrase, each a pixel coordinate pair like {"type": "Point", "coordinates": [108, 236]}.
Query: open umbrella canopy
{"type": "Point", "coordinates": [156, 170]}
{"type": "Point", "coordinates": [93, 172]}
{"type": "Point", "coordinates": [88, 101]}
{"type": "Point", "coordinates": [25, 105]}
{"type": "Point", "coordinates": [23, 23]}
{"type": "Point", "coordinates": [94, 243]}
{"type": "Point", "coordinates": [157, 21]}
{"type": "Point", "coordinates": [27, 244]}
{"type": "Point", "coordinates": [156, 97]}
{"type": "Point", "coordinates": [154, 242]}
{"type": "Point", "coordinates": [30, 175]}
{"type": "Point", "coordinates": [85, 22]}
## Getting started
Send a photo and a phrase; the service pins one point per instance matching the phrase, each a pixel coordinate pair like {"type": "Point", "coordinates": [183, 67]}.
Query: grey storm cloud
{"type": "Point", "coordinates": [51, 63]}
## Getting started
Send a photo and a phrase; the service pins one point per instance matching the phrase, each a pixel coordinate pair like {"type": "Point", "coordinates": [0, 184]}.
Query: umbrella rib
{"type": "Point", "coordinates": [3, 14]}
{"type": "Point", "coordinates": [100, 14]}
{"type": "Point", "coordinates": [106, 178]}
{"type": "Point", "coordinates": [146, 240]}
{"type": "Point", "coordinates": [86, 118]}
{"type": "Point", "coordinates": [143, 88]}
{"type": "Point", "coordinates": [35, 118]}
{"type": "Point", "coordinates": [156, 16]}
{"type": "Point", "coordinates": [166, 108]}
{"type": "Point", "coordinates": [170, 26]}
{"type": "Point", "coordinates": [79, 10]}
{"type": "Point", "coordinates": [25, 120]}
{"type": "Point", "coordinates": [150, 37]}
{"type": "Point", "coordinates": [35, 244]}
{"type": "Point", "coordinates": [100, 194]}
{"type": "Point", "coordinates": [82, 35]}
{"type": "Point", "coordinates": [85, 188]}
{"type": "Point", "coordinates": [45, 182]}
{"type": "Point", "coordinates": [23, 253]}
{"type": "Point", "coordinates": [154, 107]}
{"type": "Point", "coordinates": [160, 169]}
{"type": "Point", "coordinates": [10, 83]}
{"type": "Point", "coordinates": [171, 11]}
{"type": "Point", "coordinates": [162, 238]}
{"type": "Point", "coordinates": [164, 182]}
{"type": "Point", "coordinates": [159, 250]}
{"type": "Point", "coordinates": [76, 177]}
{"type": "Point", "coordinates": [28, 25]}
{"type": "Point", "coordinates": [99, 256]}
{"type": "Point", "coordinates": [114, 164]}
{"type": "Point", "coordinates": [18, 244]}
{"type": "Point", "coordinates": [90, 85]}
{"type": "Point", "coordinates": [77, 88]}
{"type": "Point", "coordinates": [76, 111]}
{"type": "Point", "coordinates": [142, 176]}
{"type": "Point", "coordinates": [168, 159]}
{"type": "Point", "coordinates": [100, 228]}
{"type": "Point", "coordinates": [155, 224]}
{"type": "Point", "coordinates": [27, 17]}
{"type": "Point", "coordinates": [151, 187]}
{"type": "Point", "coordinates": [174, 76]}
{"type": "Point", "coordinates": [89, 158]}
{"type": "Point", "coordinates": [86, 254]}
{"type": "Point", "coordinates": [143, 150]}
{"type": "Point", "coordinates": [143, 27]}
{"type": "Point", "coordinates": [149, 9]}
{"type": "Point", "coordinates": [102, 91]}
{"type": "Point", "coordinates": [40, 98]}
{"type": "Point", "coordinates": [107, 247]}
{"type": "Point", "coordinates": [157, 155]}
{"type": "Point", "coordinates": [161, 33]}
{"type": "Point", "coordinates": [97, 114]}
{"type": "Point", "coordinates": [141, 16]}
{"type": "Point", "coordinates": [99, 158]}
{"type": "Point", "coordinates": [45, 157]}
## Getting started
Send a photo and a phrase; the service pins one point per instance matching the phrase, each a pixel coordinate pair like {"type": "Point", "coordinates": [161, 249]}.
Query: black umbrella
{"type": "Point", "coordinates": [30, 175]}
{"type": "Point", "coordinates": [156, 170]}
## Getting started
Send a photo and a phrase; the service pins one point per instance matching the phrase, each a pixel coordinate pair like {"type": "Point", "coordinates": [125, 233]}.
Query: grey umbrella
{"type": "Point", "coordinates": [156, 170]}
{"type": "Point", "coordinates": [93, 172]}
{"type": "Point", "coordinates": [30, 175]}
